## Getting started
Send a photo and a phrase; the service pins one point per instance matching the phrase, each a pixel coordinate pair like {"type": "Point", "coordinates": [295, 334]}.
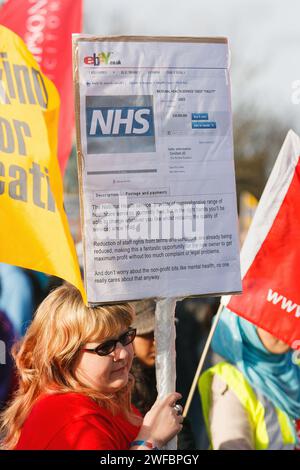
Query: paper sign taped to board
{"type": "Point", "coordinates": [156, 172]}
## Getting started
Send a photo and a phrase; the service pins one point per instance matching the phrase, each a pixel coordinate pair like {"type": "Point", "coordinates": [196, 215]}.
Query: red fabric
{"type": "Point", "coordinates": [298, 433]}
{"type": "Point", "coordinates": [276, 269]}
{"type": "Point", "coordinates": [46, 27]}
{"type": "Point", "coordinates": [74, 422]}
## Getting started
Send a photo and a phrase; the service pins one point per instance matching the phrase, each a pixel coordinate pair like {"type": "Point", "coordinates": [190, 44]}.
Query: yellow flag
{"type": "Point", "coordinates": [248, 205]}
{"type": "Point", "coordinates": [34, 228]}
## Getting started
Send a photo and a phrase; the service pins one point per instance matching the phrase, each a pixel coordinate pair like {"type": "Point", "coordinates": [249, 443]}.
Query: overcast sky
{"type": "Point", "coordinates": [264, 38]}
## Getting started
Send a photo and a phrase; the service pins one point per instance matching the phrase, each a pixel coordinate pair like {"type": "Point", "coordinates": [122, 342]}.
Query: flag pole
{"type": "Point", "coordinates": [165, 335]}
{"type": "Point", "coordinates": [201, 361]}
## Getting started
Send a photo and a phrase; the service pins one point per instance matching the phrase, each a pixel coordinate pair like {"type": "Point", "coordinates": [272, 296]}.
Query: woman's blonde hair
{"type": "Point", "coordinates": [47, 356]}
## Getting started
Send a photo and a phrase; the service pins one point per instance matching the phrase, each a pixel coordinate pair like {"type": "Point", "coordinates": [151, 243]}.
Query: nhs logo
{"type": "Point", "coordinates": [120, 124]}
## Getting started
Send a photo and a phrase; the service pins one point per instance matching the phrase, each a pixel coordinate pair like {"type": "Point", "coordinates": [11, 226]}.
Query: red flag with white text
{"type": "Point", "coordinates": [270, 257]}
{"type": "Point", "coordinates": [46, 26]}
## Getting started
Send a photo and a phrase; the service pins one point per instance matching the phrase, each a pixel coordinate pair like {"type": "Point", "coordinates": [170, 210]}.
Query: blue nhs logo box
{"type": "Point", "coordinates": [120, 124]}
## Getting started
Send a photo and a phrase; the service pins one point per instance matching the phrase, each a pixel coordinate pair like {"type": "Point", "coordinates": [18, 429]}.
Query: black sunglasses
{"type": "Point", "coordinates": [109, 346]}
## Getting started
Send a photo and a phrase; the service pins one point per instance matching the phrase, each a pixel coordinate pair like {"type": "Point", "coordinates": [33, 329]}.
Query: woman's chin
{"type": "Point", "coordinates": [149, 361]}
{"type": "Point", "coordinates": [119, 379]}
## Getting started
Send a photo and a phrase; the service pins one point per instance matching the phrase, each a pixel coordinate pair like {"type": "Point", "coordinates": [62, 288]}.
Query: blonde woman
{"type": "Point", "coordinates": [75, 384]}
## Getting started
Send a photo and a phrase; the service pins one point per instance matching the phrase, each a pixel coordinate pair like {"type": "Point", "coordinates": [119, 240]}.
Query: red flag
{"type": "Point", "coordinates": [270, 257]}
{"type": "Point", "coordinates": [46, 26]}
{"type": "Point", "coordinates": [298, 433]}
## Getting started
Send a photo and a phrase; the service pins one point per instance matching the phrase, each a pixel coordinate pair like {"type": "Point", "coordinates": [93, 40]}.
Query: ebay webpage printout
{"type": "Point", "coordinates": [155, 154]}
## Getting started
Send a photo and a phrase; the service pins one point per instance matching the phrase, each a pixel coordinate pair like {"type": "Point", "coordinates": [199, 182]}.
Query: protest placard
{"type": "Point", "coordinates": [156, 173]}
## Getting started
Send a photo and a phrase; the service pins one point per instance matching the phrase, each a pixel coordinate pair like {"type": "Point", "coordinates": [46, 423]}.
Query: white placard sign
{"type": "Point", "coordinates": [156, 172]}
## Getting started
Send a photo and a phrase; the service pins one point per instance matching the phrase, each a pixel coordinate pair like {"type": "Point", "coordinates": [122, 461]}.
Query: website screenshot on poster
{"type": "Point", "coordinates": [158, 177]}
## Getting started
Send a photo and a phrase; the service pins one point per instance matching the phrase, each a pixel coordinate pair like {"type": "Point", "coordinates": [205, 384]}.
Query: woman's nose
{"type": "Point", "coordinates": [120, 351]}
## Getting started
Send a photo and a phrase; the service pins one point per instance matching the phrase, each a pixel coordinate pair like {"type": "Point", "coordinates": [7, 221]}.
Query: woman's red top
{"type": "Point", "coordinates": [72, 421]}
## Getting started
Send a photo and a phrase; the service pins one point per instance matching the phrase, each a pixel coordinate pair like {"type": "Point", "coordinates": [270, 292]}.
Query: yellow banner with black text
{"type": "Point", "coordinates": [34, 228]}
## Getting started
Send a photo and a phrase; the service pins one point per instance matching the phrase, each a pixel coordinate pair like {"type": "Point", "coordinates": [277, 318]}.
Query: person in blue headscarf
{"type": "Point", "coordinates": [21, 291]}
{"type": "Point", "coordinates": [251, 399]}
{"type": "Point", "coordinates": [7, 375]}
